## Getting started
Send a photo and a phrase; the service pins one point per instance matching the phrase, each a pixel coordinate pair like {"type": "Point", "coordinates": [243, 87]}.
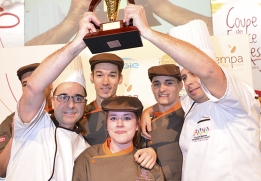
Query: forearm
{"type": "Point", "coordinates": [177, 15]}
{"type": "Point", "coordinates": [180, 51]}
{"type": "Point", "coordinates": [5, 157]}
{"type": "Point", "coordinates": [60, 34]}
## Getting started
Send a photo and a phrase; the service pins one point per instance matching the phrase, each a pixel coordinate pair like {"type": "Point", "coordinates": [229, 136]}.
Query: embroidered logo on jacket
{"type": "Point", "coordinates": [202, 133]}
{"type": "Point", "coordinates": [143, 175]}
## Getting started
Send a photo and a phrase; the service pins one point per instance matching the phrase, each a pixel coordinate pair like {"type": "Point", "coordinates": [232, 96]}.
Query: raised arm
{"type": "Point", "coordinates": [184, 53]}
{"type": "Point", "coordinates": [64, 31]}
{"type": "Point", "coordinates": [177, 15]}
{"type": "Point", "coordinates": [51, 67]}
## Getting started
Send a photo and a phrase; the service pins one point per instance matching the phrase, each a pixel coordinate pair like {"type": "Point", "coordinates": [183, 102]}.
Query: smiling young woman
{"type": "Point", "coordinates": [116, 154]}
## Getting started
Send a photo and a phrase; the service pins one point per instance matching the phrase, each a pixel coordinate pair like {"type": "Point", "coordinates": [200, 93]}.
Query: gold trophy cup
{"type": "Point", "coordinates": [112, 35]}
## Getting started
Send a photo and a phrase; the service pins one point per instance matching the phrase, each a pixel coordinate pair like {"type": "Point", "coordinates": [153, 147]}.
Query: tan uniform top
{"type": "Point", "coordinates": [166, 129]}
{"type": "Point", "coordinates": [97, 163]}
{"type": "Point", "coordinates": [93, 125]}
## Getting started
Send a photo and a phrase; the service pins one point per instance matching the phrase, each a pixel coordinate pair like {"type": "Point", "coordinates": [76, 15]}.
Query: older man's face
{"type": "Point", "coordinates": [193, 86]}
{"type": "Point", "coordinates": [68, 113]}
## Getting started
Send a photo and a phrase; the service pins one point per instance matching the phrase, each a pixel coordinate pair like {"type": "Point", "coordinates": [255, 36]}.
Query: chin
{"type": "Point", "coordinates": [163, 103]}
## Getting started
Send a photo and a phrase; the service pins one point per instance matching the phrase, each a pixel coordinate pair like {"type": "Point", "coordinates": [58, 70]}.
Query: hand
{"type": "Point", "coordinates": [146, 157]}
{"type": "Point", "coordinates": [86, 25]}
{"type": "Point", "coordinates": [137, 13]}
{"type": "Point", "coordinates": [145, 122]}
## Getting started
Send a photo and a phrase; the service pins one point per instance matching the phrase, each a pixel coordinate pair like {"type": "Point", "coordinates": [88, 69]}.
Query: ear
{"type": "Point", "coordinates": [91, 78]}
{"type": "Point", "coordinates": [120, 79]}
{"type": "Point", "coordinates": [51, 86]}
{"type": "Point", "coordinates": [52, 99]}
{"type": "Point", "coordinates": [180, 85]}
{"type": "Point", "coordinates": [138, 124]}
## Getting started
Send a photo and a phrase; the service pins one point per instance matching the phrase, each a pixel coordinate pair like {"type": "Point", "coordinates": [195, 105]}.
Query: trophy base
{"type": "Point", "coordinates": [114, 39]}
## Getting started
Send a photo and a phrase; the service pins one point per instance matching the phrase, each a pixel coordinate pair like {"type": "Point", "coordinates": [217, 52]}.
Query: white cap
{"type": "Point", "coordinates": [72, 73]}
{"type": "Point", "coordinates": [196, 33]}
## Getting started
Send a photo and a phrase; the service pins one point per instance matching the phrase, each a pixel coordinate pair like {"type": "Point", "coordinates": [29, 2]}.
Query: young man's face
{"type": "Point", "coordinates": [106, 78]}
{"type": "Point", "coordinates": [68, 113]}
{"type": "Point", "coordinates": [166, 90]}
{"type": "Point", "coordinates": [193, 86]}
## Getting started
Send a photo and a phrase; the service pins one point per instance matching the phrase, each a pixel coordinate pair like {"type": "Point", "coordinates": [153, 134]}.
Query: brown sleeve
{"type": "Point", "coordinates": [80, 167]}
{"type": "Point", "coordinates": [5, 131]}
{"type": "Point", "coordinates": [159, 176]}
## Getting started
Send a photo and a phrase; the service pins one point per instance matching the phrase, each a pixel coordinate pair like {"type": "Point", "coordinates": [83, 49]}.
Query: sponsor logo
{"type": "Point", "coordinates": [231, 60]}
{"type": "Point", "coordinates": [166, 59]}
{"type": "Point", "coordinates": [131, 65]}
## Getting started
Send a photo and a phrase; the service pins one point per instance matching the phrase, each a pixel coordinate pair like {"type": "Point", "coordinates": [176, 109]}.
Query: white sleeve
{"type": "Point", "coordinates": [239, 98]}
{"type": "Point", "coordinates": [21, 129]}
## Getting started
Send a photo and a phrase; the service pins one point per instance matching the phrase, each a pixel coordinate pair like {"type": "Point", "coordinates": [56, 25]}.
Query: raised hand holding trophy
{"type": "Point", "coordinates": [113, 35]}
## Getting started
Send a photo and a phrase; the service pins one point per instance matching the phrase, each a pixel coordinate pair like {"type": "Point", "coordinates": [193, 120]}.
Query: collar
{"type": "Point", "coordinates": [77, 128]}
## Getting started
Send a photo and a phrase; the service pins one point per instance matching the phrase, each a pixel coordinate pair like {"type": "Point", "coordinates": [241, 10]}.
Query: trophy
{"type": "Point", "coordinates": [112, 35]}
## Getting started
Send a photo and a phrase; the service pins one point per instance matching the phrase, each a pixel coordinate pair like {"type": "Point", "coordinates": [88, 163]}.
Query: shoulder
{"type": "Point", "coordinates": [8, 120]}
{"type": "Point", "coordinates": [91, 151]}
{"type": "Point", "coordinates": [89, 107]}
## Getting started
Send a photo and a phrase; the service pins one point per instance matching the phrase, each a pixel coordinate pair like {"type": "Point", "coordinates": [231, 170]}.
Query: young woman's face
{"type": "Point", "coordinates": [121, 128]}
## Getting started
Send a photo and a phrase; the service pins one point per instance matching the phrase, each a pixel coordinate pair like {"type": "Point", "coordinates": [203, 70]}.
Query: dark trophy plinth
{"type": "Point", "coordinates": [113, 35]}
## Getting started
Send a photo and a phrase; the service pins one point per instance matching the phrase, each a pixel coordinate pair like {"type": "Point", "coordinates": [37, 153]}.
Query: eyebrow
{"type": "Point", "coordinates": [170, 80]}
{"type": "Point", "coordinates": [127, 114]}
{"type": "Point", "coordinates": [155, 81]}
{"type": "Point", "coordinates": [24, 81]}
{"type": "Point", "coordinates": [73, 95]}
{"type": "Point", "coordinates": [98, 71]}
{"type": "Point", "coordinates": [164, 80]}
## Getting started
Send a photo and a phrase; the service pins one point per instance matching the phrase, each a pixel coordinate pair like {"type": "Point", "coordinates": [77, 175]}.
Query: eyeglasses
{"type": "Point", "coordinates": [65, 98]}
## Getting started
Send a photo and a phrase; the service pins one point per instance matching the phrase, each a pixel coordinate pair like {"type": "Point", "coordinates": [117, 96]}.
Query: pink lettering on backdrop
{"type": "Point", "coordinates": [241, 25]}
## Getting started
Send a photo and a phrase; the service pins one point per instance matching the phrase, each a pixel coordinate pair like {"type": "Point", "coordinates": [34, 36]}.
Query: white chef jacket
{"type": "Point", "coordinates": [220, 137]}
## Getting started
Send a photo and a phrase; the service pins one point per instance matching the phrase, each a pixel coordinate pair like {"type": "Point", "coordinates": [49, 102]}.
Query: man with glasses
{"type": "Point", "coordinates": [54, 141]}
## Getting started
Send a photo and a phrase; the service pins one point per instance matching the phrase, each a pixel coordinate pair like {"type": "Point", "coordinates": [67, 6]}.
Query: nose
{"type": "Point", "coordinates": [162, 88]}
{"type": "Point", "coordinates": [105, 80]}
{"type": "Point", "coordinates": [189, 80]}
{"type": "Point", "coordinates": [120, 123]}
{"type": "Point", "coordinates": [71, 102]}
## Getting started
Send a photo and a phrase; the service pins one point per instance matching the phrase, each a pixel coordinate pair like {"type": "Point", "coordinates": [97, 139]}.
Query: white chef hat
{"type": "Point", "coordinates": [72, 73]}
{"type": "Point", "coordinates": [196, 33]}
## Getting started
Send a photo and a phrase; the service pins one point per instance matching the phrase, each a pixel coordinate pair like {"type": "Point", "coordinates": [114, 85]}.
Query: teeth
{"type": "Point", "coordinates": [165, 95]}
{"type": "Point", "coordinates": [69, 113]}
